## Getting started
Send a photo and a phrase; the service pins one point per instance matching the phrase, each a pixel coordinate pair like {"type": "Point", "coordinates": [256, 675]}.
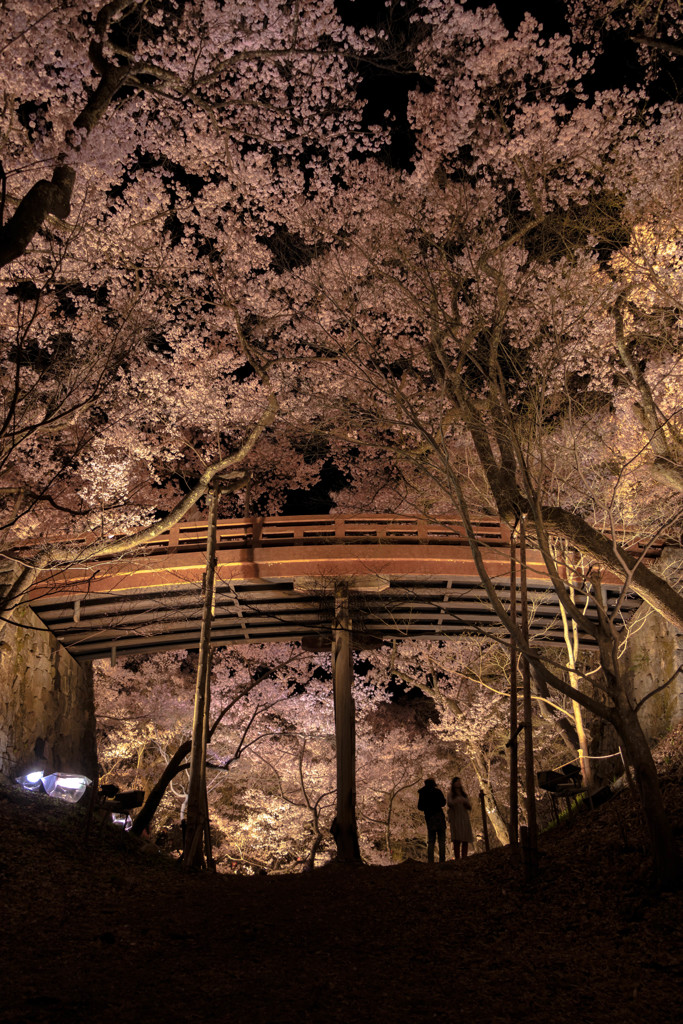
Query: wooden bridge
{"type": "Point", "coordinates": [408, 578]}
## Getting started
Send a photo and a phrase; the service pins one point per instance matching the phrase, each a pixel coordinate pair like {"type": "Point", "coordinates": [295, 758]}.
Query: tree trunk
{"type": "Point", "coordinates": [149, 808]}
{"type": "Point", "coordinates": [197, 803]}
{"type": "Point", "coordinates": [43, 198]}
{"type": "Point", "coordinates": [310, 860]}
{"type": "Point", "coordinates": [513, 831]}
{"type": "Point", "coordinates": [568, 732]}
{"type": "Point", "coordinates": [495, 817]}
{"type": "Point", "coordinates": [530, 775]}
{"type": "Point", "coordinates": [665, 855]}
{"type": "Point", "coordinates": [584, 763]}
{"type": "Point", "coordinates": [572, 643]}
{"type": "Point", "coordinates": [345, 829]}
{"type": "Point", "coordinates": [484, 820]}
{"type": "Point", "coordinates": [387, 830]}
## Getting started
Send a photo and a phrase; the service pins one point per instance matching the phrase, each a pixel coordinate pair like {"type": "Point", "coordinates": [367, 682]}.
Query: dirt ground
{"type": "Point", "coordinates": [111, 930]}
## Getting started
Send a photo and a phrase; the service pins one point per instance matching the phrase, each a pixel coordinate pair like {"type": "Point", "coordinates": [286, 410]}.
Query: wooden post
{"type": "Point", "coordinates": [345, 829]}
{"type": "Point", "coordinates": [197, 803]}
{"type": "Point", "coordinates": [484, 821]}
{"type": "Point", "coordinates": [514, 730]}
{"type": "Point", "coordinates": [531, 852]}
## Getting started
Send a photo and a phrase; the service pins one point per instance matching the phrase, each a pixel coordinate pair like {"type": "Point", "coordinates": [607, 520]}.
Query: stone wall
{"type": "Point", "coordinates": [47, 717]}
{"type": "Point", "coordinates": [654, 652]}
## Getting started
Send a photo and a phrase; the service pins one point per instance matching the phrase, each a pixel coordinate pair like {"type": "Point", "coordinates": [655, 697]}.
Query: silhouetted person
{"type": "Point", "coordinates": [431, 801]}
{"type": "Point", "coordinates": [459, 808]}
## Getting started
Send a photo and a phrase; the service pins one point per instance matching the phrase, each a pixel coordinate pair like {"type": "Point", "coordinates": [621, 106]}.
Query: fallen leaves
{"type": "Point", "coordinates": [90, 931]}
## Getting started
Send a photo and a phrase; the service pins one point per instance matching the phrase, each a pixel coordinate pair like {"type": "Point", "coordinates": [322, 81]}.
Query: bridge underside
{"type": "Point", "coordinates": [408, 579]}
{"type": "Point", "coordinates": [145, 621]}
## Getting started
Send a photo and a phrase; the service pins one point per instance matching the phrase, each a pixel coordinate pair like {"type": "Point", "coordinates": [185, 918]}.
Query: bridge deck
{"type": "Point", "coordinates": [410, 579]}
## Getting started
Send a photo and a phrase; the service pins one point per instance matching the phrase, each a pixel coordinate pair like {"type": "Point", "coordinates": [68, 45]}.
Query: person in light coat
{"type": "Point", "coordinates": [458, 808]}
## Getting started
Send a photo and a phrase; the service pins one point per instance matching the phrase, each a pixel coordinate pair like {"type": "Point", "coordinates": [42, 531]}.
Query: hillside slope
{"type": "Point", "coordinates": [112, 930]}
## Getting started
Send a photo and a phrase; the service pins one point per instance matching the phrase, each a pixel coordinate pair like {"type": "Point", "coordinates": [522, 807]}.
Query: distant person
{"type": "Point", "coordinates": [431, 801]}
{"type": "Point", "coordinates": [459, 808]}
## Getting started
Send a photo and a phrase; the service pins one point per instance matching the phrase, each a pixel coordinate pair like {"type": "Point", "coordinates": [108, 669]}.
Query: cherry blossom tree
{"type": "Point", "coordinates": [92, 85]}
{"type": "Point", "coordinates": [210, 272]}
{"type": "Point", "coordinates": [468, 681]}
{"type": "Point", "coordinates": [396, 751]}
{"type": "Point", "coordinates": [302, 771]}
{"type": "Point", "coordinates": [506, 318]}
{"type": "Point", "coordinates": [655, 26]}
{"type": "Point", "coordinates": [156, 159]}
{"type": "Point", "coordinates": [503, 319]}
{"type": "Point", "coordinates": [393, 750]}
{"type": "Point", "coordinates": [158, 696]}
{"type": "Point", "coordinates": [272, 734]}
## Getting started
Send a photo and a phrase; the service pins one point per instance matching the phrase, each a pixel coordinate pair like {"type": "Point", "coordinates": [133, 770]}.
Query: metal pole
{"type": "Point", "coordinates": [197, 801]}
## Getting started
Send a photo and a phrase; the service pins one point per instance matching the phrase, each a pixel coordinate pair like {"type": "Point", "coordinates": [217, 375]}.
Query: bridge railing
{"type": "Point", "coordinates": [312, 531]}
{"type": "Point", "coordinates": [308, 531]}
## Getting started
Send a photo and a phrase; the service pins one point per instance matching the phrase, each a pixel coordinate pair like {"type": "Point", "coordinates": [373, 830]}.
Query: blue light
{"type": "Point", "coordinates": [31, 782]}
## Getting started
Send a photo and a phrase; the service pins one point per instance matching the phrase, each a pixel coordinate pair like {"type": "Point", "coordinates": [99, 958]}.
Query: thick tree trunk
{"type": "Point", "coordinates": [149, 808]}
{"type": "Point", "coordinates": [494, 815]}
{"type": "Point", "coordinates": [666, 858]}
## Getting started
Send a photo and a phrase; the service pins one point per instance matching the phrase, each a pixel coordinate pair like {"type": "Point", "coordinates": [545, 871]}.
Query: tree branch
{"type": "Point", "coordinates": [659, 44]}
{"type": "Point", "coordinates": [657, 689]}
{"type": "Point", "coordinates": [43, 198]}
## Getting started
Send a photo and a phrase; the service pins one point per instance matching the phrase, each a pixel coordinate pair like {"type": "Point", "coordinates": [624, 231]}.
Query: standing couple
{"type": "Point", "coordinates": [431, 800]}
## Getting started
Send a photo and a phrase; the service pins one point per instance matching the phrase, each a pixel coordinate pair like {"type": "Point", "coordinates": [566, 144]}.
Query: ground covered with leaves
{"type": "Point", "coordinates": [110, 929]}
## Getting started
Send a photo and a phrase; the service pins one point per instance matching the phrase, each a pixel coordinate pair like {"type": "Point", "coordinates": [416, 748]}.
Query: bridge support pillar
{"type": "Point", "coordinates": [654, 654]}
{"type": "Point", "coordinates": [47, 715]}
{"type": "Point", "coordinates": [345, 829]}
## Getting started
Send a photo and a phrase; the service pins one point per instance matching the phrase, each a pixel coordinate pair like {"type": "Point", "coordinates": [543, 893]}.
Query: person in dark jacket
{"type": "Point", "coordinates": [431, 801]}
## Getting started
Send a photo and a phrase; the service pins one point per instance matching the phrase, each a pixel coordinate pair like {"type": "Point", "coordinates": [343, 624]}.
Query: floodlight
{"type": "Point", "coordinates": [32, 781]}
{"type": "Point", "coordinates": [66, 786]}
